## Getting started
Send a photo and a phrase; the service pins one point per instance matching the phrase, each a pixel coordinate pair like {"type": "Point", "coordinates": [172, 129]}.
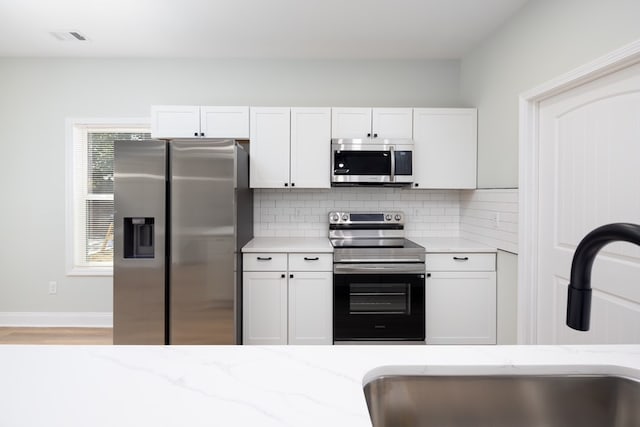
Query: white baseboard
{"type": "Point", "coordinates": [57, 319]}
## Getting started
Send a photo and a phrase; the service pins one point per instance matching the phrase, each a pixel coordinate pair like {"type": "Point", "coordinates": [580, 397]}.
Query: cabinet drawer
{"type": "Point", "coordinates": [264, 262]}
{"type": "Point", "coordinates": [311, 262]}
{"type": "Point", "coordinates": [461, 262]}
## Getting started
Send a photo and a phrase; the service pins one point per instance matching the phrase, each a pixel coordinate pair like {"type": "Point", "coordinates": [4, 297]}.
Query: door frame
{"type": "Point", "coordinates": [529, 144]}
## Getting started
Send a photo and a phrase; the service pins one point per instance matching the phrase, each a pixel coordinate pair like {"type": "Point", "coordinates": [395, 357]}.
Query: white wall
{"type": "Point", "coordinates": [544, 39]}
{"type": "Point", "coordinates": [38, 94]}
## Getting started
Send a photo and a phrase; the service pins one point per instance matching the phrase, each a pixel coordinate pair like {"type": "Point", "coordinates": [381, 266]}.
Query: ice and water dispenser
{"type": "Point", "coordinates": [138, 237]}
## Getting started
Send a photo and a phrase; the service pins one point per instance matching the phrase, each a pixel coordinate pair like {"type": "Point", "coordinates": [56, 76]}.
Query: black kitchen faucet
{"type": "Point", "coordinates": [579, 299]}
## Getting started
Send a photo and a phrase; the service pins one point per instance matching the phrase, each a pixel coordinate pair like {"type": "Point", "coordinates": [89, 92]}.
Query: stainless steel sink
{"type": "Point", "coordinates": [503, 401]}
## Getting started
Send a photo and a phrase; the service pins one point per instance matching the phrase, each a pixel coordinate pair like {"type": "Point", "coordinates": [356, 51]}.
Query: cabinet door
{"type": "Point", "coordinates": [310, 308]}
{"type": "Point", "coordinates": [224, 122]}
{"type": "Point", "coordinates": [175, 121]}
{"type": "Point", "coordinates": [310, 147]}
{"type": "Point", "coordinates": [445, 151]}
{"type": "Point", "coordinates": [350, 122]}
{"type": "Point", "coordinates": [392, 122]}
{"type": "Point", "coordinates": [461, 308]}
{"type": "Point", "coordinates": [269, 147]}
{"type": "Point", "coordinates": [264, 308]}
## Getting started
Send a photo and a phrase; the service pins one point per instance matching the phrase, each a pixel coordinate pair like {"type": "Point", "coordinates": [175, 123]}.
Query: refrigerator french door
{"type": "Point", "coordinates": [183, 210]}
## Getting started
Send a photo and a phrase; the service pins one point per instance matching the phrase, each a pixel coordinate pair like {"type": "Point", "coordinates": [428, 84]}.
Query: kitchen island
{"type": "Point", "coordinates": [120, 386]}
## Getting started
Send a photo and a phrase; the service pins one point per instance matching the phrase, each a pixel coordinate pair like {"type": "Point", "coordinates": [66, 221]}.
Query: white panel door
{"type": "Point", "coordinates": [350, 122]}
{"type": "Point", "coordinates": [461, 308]}
{"type": "Point", "coordinates": [224, 122]}
{"type": "Point", "coordinates": [590, 176]}
{"type": "Point", "coordinates": [264, 308]}
{"type": "Point", "coordinates": [445, 151]}
{"type": "Point", "coordinates": [269, 147]}
{"type": "Point", "coordinates": [310, 147]}
{"type": "Point", "coordinates": [175, 121]}
{"type": "Point", "coordinates": [392, 122]}
{"type": "Point", "coordinates": [310, 308]}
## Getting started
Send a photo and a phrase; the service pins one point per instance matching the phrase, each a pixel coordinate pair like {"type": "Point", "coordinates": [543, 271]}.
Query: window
{"type": "Point", "coordinates": [90, 217]}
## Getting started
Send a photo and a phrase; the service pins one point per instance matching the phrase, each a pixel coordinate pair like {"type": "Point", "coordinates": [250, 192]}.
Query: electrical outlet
{"type": "Point", "coordinates": [53, 288]}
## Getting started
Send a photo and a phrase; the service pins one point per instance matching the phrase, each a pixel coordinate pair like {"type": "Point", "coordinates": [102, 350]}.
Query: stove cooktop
{"type": "Point", "coordinates": [375, 243]}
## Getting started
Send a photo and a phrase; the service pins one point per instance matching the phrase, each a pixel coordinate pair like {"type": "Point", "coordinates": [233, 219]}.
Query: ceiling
{"type": "Point", "coordinates": [309, 29]}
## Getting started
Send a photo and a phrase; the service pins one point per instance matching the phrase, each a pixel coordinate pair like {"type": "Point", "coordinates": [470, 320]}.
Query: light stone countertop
{"type": "Point", "coordinates": [288, 244]}
{"type": "Point", "coordinates": [322, 244]}
{"type": "Point", "coordinates": [79, 386]}
{"type": "Point", "coordinates": [451, 244]}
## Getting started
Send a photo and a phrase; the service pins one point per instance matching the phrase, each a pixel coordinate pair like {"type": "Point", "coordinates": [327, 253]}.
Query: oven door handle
{"type": "Point", "coordinates": [417, 268]}
{"type": "Point", "coordinates": [382, 260]}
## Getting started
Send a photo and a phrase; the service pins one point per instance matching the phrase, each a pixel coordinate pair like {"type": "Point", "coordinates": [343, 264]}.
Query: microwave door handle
{"type": "Point", "coordinates": [393, 165]}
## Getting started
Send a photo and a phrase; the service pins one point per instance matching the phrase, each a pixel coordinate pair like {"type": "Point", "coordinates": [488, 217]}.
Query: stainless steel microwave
{"type": "Point", "coordinates": [371, 162]}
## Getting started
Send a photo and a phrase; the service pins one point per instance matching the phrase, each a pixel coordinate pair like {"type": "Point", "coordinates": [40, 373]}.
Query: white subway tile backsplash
{"type": "Point", "coordinates": [429, 213]}
{"type": "Point", "coordinates": [304, 213]}
{"type": "Point", "coordinates": [490, 217]}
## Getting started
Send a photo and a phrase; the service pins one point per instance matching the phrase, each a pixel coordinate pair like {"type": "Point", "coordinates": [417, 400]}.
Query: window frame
{"type": "Point", "coordinates": [71, 228]}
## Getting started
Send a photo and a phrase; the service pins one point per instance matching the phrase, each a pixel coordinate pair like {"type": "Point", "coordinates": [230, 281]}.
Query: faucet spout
{"type": "Point", "coordinates": [579, 297]}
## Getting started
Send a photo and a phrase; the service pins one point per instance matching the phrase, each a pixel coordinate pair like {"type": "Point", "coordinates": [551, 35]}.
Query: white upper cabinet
{"type": "Point", "coordinates": [310, 147]}
{"type": "Point", "coordinates": [445, 148]}
{"type": "Point", "coordinates": [350, 122]}
{"type": "Point", "coordinates": [392, 123]}
{"type": "Point", "coordinates": [290, 147]}
{"type": "Point", "coordinates": [225, 122]}
{"type": "Point", "coordinates": [269, 147]}
{"type": "Point", "coordinates": [371, 122]}
{"type": "Point", "coordinates": [187, 121]}
{"type": "Point", "coordinates": [175, 121]}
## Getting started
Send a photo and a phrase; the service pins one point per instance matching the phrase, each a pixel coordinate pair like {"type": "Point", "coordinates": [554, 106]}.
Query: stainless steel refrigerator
{"type": "Point", "coordinates": [183, 211]}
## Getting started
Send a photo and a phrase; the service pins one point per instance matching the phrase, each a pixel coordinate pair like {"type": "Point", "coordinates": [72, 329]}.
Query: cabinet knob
{"type": "Point", "coordinates": [368, 135]}
{"type": "Point", "coordinates": [375, 135]}
{"type": "Point", "coordinates": [291, 276]}
{"type": "Point", "coordinates": [428, 274]}
{"type": "Point", "coordinates": [416, 184]}
{"type": "Point", "coordinates": [282, 276]}
{"type": "Point", "coordinates": [201, 133]}
{"type": "Point", "coordinates": [195, 134]}
{"type": "Point", "coordinates": [293, 184]}
{"type": "Point", "coordinates": [286, 184]}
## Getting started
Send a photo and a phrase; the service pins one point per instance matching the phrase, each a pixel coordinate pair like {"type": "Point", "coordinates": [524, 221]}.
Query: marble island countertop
{"type": "Point", "coordinates": [249, 386]}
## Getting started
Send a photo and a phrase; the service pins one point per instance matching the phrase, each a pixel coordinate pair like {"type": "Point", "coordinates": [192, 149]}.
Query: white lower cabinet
{"type": "Point", "coordinates": [292, 305]}
{"type": "Point", "coordinates": [264, 308]}
{"type": "Point", "coordinates": [460, 299]}
{"type": "Point", "coordinates": [310, 307]}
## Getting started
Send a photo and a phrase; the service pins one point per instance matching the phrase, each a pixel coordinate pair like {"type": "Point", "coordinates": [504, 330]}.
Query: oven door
{"type": "Point", "coordinates": [381, 305]}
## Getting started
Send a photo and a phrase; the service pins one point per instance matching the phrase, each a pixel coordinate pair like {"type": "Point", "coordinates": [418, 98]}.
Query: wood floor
{"type": "Point", "coordinates": [57, 336]}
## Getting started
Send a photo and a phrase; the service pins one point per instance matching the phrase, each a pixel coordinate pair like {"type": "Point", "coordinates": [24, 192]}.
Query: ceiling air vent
{"type": "Point", "coordinates": [66, 36]}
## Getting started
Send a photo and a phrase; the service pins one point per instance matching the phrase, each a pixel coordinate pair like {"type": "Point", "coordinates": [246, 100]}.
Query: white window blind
{"type": "Point", "coordinates": [92, 239]}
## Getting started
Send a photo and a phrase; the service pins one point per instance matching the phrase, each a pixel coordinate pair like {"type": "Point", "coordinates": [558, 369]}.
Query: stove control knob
{"type": "Point", "coordinates": [398, 217]}
{"type": "Point", "coordinates": [345, 217]}
{"type": "Point", "coordinates": [388, 217]}
{"type": "Point", "coordinates": [335, 217]}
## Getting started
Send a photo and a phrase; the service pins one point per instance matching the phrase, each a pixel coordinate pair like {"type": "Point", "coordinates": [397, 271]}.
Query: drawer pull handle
{"type": "Point", "coordinates": [457, 258]}
{"type": "Point", "coordinates": [311, 259]}
{"type": "Point", "coordinates": [268, 258]}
